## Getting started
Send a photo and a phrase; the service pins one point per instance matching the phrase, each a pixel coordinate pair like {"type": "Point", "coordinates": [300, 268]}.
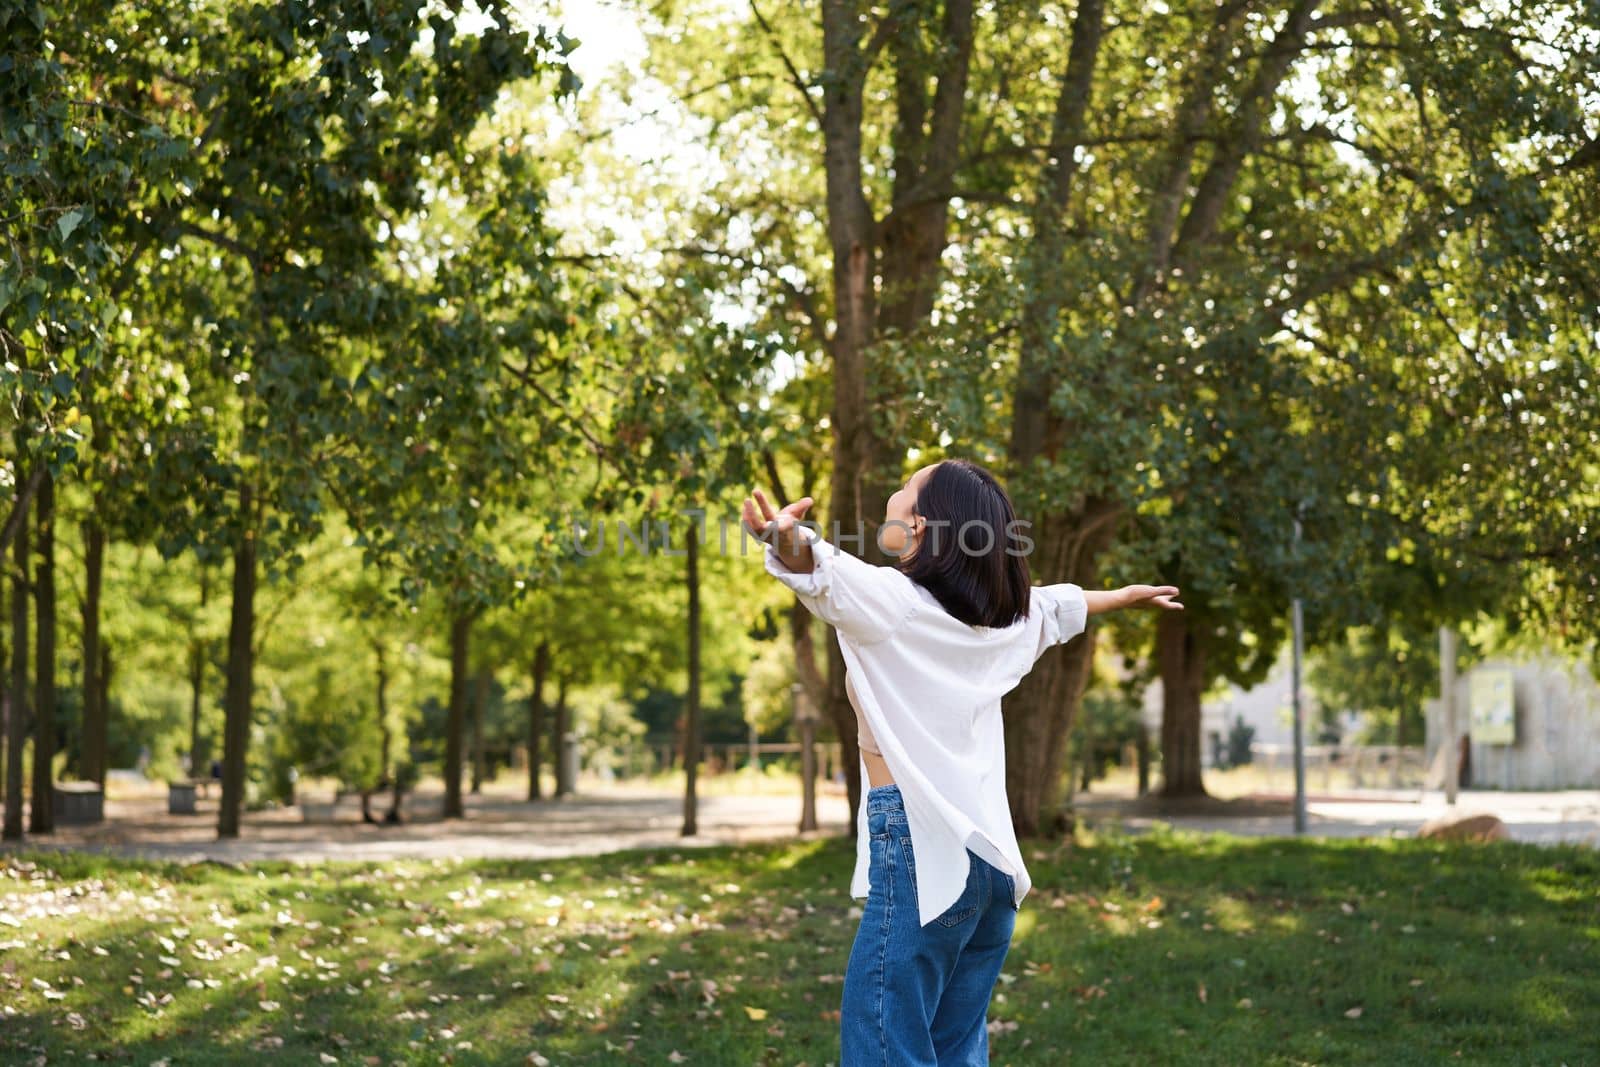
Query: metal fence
{"type": "Point", "coordinates": [647, 758]}
{"type": "Point", "coordinates": [1334, 767]}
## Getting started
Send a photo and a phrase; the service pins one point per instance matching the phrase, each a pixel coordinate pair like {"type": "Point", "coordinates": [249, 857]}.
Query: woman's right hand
{"type": "Point", "coordinates": [771, 525]}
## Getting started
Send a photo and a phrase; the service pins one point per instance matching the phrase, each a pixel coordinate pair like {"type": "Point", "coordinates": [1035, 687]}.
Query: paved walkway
{"type": "Point", "coordinates": [604, 818]}
{"type": "Point", "coordinates": [1547, 818]}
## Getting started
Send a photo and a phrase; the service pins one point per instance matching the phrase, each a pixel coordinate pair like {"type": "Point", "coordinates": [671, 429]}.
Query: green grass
{"type": "Point", "coordinates": [1164, 948]}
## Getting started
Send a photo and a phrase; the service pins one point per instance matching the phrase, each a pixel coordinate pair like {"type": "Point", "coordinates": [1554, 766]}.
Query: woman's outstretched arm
{"type": "Point", "coordinates": [1131, 596]}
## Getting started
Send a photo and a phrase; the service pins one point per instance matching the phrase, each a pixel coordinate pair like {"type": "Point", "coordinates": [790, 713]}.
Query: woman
{"type": "Point", "coordinates": [930, 646]}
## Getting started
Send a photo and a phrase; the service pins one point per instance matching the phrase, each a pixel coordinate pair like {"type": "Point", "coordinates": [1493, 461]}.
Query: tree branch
{"type": "Point", "coordinates": [794, 73]}
{"type": "Point", "coordinates": [1246, 133]}
{"type": "Point", "coordinates": [1072, 104]}
{"type": "Point", "coordinates": [221, 240]}
{"type": "Point", "coordinates": [19, 507]}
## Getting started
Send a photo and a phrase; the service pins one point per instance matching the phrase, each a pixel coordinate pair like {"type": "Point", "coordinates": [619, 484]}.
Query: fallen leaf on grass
{"type": "Point", "coordinates": [756, 1014]}
{"type": "Point", "coordinates": [1353, 1013]}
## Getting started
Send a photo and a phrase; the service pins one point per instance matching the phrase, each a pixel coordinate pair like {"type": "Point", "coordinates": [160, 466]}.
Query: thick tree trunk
{"type": "Point", "coordinates": [1039, 716]}
{"type": "Point", "coordinates": [239, 693]}
{"type": "Point", "coordinates": [850, 231]}
{"type": "Point", "coordinates": [41, 813]}
{"type": "Point", "coordinates": [1069, 539]}
{"type": "Point", "coordinates": [1181, 656]}
{"type": "Point", "coordinates": [17, 722]}
{"type": "Point", "coordinates": [94, 746]}
{"type": "Point", "coordinates": [691, 735]}
{"type": "Point", "coordinates": [1042, 711]}
{"type": "Point", "coordinates": [480, 695]}
{"type": "Point", "coordinates": [541, 667]}
{"type": "Point", "coordinates": [460, 636]}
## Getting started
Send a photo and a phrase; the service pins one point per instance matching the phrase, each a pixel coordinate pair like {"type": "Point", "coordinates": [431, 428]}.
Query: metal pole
{"type": "Point", "coordinates": [1299, 716]}
{"type": "Point", "coordinates": [1447, 697]}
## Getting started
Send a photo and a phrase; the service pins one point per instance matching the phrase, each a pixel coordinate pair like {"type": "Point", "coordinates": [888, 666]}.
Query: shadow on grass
{"type": "Point", "coordinates": [1165, 947]}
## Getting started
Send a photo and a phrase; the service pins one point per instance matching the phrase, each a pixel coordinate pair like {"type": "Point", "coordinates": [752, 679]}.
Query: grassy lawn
{"type": "Point", "coordinates": [1157, 949]}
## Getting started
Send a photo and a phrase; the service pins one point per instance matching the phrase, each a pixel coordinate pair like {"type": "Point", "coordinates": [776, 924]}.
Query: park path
{"type": "Point", "coordinates": [608, 817]}
{"type": "Point", "coordinates": [1560, 816]}
{"type": "Point", "coordinates": [497, 825]}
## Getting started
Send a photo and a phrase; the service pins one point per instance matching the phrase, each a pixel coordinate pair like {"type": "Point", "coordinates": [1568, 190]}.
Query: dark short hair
{"type": "Point", "coordinates": [962, 558]}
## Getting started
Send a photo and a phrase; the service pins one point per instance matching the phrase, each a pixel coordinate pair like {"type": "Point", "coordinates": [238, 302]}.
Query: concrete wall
{"type": "Point", "coordinates": [1557, 742]}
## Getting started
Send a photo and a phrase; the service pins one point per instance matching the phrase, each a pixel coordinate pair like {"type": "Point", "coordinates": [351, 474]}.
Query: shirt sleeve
{"type": "Point", "coordinates": [1064, 614]}
{"type": "Point", "coordinates": [857, 598]}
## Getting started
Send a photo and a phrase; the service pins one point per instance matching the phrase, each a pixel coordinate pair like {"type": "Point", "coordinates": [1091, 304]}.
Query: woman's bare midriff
{"type": "Point", "coordinates": [877, 770]}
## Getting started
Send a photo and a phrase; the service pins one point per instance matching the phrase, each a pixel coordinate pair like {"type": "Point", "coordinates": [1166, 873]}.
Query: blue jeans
{"type": "Point", "coordinates": [918, 994]}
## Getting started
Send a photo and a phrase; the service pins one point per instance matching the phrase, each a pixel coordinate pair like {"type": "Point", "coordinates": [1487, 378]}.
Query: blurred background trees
{"type": "Point", "coordinates": [332, 336]}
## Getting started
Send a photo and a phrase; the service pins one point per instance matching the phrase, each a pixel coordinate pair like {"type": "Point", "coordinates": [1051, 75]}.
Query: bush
{"type": "Point", "coordinates": [1240, 734]}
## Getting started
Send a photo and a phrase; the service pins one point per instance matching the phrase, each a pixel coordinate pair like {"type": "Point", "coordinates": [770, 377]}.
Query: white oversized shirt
{"type": "Point", "coordinates": [929, 687]}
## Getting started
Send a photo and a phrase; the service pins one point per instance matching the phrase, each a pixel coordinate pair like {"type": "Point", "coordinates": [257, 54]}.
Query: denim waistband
{"type": "Point", "coordinates": [884, 798]}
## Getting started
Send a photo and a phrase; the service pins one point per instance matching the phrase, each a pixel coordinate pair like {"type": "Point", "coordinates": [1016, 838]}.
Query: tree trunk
{"type": "Point", "coordinates": [199, 756]}
{"type": "Point", "coordinates": [41, 813]}
{"type": "Point", "coordinates": [460, 636]}
{"type": "Point", "coordinates": [1144, 759]}
{"type": "Point", "coordinates": [16, 521]}
{"type": "Point", "coordinates": [1181, 657]}
{"type": "Point", "coordinates": [480, 694]}
{"type": "Point", "coordinates": [105, 682]}
{"type": "Point", "coordinates": [17, 722]}
{"type": "Point", "coordinates": [1069, 538]}
{"type": "Point", "coordinates": [565, 786]}
{"type": "Point", "coordinates": [384, 733]}
{"type": "Point", "coordinates": [1086, 752]}
{"type": "Point", "coordinates": [691, 733]}
{"type": "Point", "coordinates": [851, 236]}
{"type": "Point", "coordinates": [402, 768]}
{"type": "Point", "coordinates": [93, 763]}
{"type": "Point", "coordinates": [239, 693]}
{"type": "Point", "coordinates": [1042, 711]}
{"type": "Point", "coordinates": [5, 696]}
{"type": "Point", "coordinates": [541, 666]}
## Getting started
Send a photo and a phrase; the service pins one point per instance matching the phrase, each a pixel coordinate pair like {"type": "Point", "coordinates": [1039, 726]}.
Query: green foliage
{"type": "Point", "coordinates": [1111, 720]}
{"type": "Point", "coordinates": [312, 249]}
{"type": "Point", "coordinates": [1384, 674]}
{"type": "Point", "coordinates": [1240, 736]}
{"type": "Point", "coordinates": [73, 161]}
{"type": "Point", "coordinates": [1290, 271]}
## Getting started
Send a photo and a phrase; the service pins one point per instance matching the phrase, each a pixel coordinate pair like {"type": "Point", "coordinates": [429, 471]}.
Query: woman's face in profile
{"type": "Point", "coordinates": [902, 530]}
